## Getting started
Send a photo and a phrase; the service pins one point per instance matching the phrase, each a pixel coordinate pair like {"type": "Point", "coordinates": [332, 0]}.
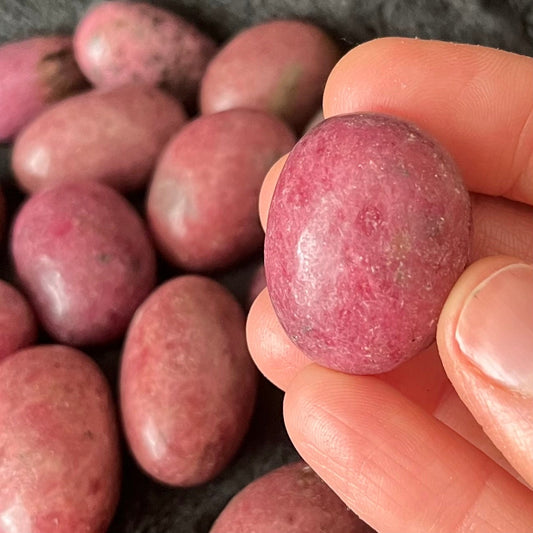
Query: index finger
{"type": "Point", "coordinates": [477, 101]}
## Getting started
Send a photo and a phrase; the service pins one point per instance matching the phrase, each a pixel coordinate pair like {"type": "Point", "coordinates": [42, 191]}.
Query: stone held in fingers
{"type": "Point", "coordinates": [368, 230]}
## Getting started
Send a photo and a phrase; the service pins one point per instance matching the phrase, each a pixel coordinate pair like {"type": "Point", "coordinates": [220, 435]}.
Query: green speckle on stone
{"type": "Point", "coordinates": [285, 93]}
{"type": "Point", "coordinates": [103, 257]}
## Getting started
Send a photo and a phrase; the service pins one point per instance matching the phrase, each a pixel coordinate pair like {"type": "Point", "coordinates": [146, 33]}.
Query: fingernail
{"type": "Point", "coordinates": [495, 328]}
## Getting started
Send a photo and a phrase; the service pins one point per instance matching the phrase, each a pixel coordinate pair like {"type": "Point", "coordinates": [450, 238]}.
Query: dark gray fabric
{"type": "Point", "coordinates": [500, 23]}
{"type": "Point", "coordinates": [145, 506]}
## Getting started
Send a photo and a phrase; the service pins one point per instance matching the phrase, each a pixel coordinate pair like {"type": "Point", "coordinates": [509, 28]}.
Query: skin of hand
{"type": "Point", "coordinates": [443, 443]}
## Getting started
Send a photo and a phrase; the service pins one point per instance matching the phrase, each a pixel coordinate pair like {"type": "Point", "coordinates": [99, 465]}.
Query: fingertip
{"type": "Point", "coordinates": [476, 101]}
{"type": "Point", "coordinates": [267, 189]}
{"type": "Point", "coordinates": [309, 385]}
{"type": "Point", "coordinates": [501, 226]}
{"type": "Point", "coordinates": [382, 455]}
{"type": "Point", "coordinates": [315, 403]}
{"type": "Point", "coordinates": [343, 92]}
{"type": "Point", "coordinates": [485, 335]}
{"type": "Point", "coordinates": [466, 285]}
{"type": "Point", "coordinates": [298, 400]}
{"type": "Point", "coordinates": [276, 357]}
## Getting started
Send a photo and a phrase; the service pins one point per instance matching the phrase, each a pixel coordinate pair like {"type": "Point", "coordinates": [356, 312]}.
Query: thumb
{"type": "Point", "coordinates": [485, 340]}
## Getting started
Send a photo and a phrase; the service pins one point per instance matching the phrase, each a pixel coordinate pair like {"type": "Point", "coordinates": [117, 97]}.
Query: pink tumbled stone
{"type": "Point", "coordinates": [84, 257]}
{"type": "Point", "coordinates": [368, 230]}
{"type": "Point", "coordinates": [187, 382]}
{"type": "Point", "coordinates": [289, 499]}
{"type": "Point", "coordinates": [59, 445]}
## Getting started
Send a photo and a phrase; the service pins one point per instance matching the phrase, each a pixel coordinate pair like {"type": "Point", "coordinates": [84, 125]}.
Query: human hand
{"type": "Point", "coordinates": [405, 450]}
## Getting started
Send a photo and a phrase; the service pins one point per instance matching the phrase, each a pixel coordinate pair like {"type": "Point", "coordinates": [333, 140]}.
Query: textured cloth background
{"type": "Point", "coordinates": [145, 506]}
{"type": "Point", "coordinates": [505, 24]}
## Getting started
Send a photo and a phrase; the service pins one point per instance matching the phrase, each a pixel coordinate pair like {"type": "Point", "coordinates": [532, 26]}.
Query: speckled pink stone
{"type": "Point", "coordinates": [85, 260]}
{"type": "Point", "coordinates": [368, 230]}
{"type": "Point", "coordinates": [279, 66]}
{"type": "Point", "coordinates": [118, 43]}
{"type": "Point", "coordinates": [59, 449]}
{"type": "Point", "coordinates": [290, 499]}
{"type": "Point", "coordinates": [187, 382]}
{"type": "Point", "coordinates": [202, 200]}
{"type": "Point", "coordinates": [112, 137]}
